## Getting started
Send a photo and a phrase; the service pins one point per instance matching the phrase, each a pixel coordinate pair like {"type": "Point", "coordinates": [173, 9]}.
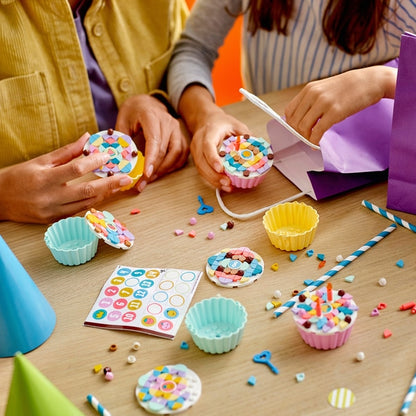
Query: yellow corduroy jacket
{"type": "Point", "coordinates": [45, 98]}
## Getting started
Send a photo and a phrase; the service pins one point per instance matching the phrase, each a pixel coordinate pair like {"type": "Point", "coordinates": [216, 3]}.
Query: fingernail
{"type": "Point", "coordinates": [225, 182]}
{"type": "Point", "coordinates": [149, 171]}
{"type": "Point", "coordinates": [141, 186]}
{"type": "Point", "coordinates": [218, 167]}
{"type": "Point", "coordinates": [125, 180]}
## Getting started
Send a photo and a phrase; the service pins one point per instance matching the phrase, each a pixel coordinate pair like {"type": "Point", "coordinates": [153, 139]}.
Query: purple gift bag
{"type": "Point", "coordinates": [401, 189]}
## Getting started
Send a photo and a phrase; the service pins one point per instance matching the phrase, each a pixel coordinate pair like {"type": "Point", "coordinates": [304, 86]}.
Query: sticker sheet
{"type": "Point", "coordinates": [148, 300]}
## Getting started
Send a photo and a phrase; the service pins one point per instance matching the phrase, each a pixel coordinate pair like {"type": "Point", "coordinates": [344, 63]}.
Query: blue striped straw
{"type": "Point", "coordinates": [388, 215]}
{"type": "Point", "coordinates": [93, 401]}
{"type": "Point", "coordinates": [344, 263]}
{"type": "Point", "coordinates": [409, 397]}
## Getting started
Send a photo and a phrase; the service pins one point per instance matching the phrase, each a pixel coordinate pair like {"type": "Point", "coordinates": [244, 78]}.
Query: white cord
{"type": "Point", "coordinates": [254, 213]}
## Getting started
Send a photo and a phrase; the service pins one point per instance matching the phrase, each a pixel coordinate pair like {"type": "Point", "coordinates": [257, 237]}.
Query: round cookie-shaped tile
{"type": "Point", "coordinates": [168, 389]}
{"type": "Point", "coordinates": [121, 148]}
{"type": "Point", "coordinates": [235, 267]}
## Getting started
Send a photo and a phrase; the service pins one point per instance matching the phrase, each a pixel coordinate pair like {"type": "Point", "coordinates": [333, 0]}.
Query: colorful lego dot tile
{"type": "Point", "coordinates": [235, 267]}
{"type": "Point", "coordinates": [121, 148]}
{"type": "Point", "coordinates": [168, 389]}
{"type": "Point", "coordinates": [111, 230]}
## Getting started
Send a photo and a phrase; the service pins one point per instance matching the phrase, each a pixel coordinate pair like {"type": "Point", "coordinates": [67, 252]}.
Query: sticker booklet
{"type": "Point", "coordinates": [148, 300]}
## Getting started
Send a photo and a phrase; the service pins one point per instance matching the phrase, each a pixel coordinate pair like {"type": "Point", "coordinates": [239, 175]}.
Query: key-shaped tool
{"type": "Point", "coordinates": [264, 358]}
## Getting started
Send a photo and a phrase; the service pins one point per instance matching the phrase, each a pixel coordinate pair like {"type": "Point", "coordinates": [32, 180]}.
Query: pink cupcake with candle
{"type": "Point", "coordinates": [246, 160]}
{"type": "Point", "coordinates": [325, 317]}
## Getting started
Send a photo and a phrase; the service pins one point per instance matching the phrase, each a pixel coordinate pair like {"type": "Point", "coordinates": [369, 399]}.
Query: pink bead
{"type": "Point", "coordinates": [109, 376]}
{"type": "Point", "coordinates": [192, 221]}
{"type": "Point", "coordinates": [210, 235]}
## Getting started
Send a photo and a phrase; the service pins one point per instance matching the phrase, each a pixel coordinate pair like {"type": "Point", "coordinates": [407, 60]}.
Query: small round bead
{"type": "Point", "coordinates": [136, 346]}
{"type": "Point", "coordinates": [109, 376]}
{"type": "Point", "coordinates": [131, 359]}
{"type": "Point", "coordinates": [113, 347]}
{"type": "Point", "coordinates": [382, 282]}
{"type": "Point", "coordinates": [210, 235]}
{"type": "Point", "coordinates": [192, 221]}
{"type": "Point", "coordinates": [107, 370]}
{"type": "Point", "coordinates": [360, 356]}
{"type": "Point", "coordinates": [277, 294]}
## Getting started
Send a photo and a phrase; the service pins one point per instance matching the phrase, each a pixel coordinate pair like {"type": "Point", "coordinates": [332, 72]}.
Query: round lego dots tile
{"type": "Point", "coordinates": [122, 150]}
{"type": "Point", "coordinates": [168, 389]}
{"type": "Point", "coordinates": [112, 231]}
{"type": "Point", "coordinates": [341, 398]}
{"type": "Point", "coordinates": [235, 267]}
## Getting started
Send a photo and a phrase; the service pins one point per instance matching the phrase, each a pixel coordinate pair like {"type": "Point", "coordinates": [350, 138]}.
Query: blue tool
{"type": "Point", "coordinates": [264, 358]}
{"type": "Point", "coordinates": [204, 208]}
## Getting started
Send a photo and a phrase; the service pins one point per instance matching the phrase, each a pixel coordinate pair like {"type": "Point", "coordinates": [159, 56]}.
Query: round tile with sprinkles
{"type": "Point", "coordinates": [120, 146]}
{"type": "Point", "coordinates": [112, 231]}
{"type": "Point", "coordinates": [168, 389]}
{"type": "Point", "coordinates": [246, 157]}
{"type": "Point", "coordinates": [235, 267]}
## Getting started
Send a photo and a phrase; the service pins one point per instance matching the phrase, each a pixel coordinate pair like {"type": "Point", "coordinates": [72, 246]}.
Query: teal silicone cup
{"type": "Point", "coordinates": [71, 241]}
{"type": "Point", "coordinates": [216, 324]}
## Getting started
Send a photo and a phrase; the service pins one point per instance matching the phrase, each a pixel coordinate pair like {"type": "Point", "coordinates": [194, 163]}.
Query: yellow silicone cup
{"type": "Point", "coordinates": [136, 173]}
{"type": "Point", "coordinates": [291, 226]}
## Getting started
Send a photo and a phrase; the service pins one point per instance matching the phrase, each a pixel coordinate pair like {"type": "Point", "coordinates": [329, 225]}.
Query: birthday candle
{"type": "Point", "coordinates": [336, 269]}
{"type": "Point", "coordinates": [409, 397]}
{"type": "Point", "coordinates": [318, 307]}
{"type": "Point", "coordinates": [329, 292]}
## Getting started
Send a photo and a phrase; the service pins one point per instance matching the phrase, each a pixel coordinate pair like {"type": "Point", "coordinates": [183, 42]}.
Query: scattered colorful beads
{"type": "Point", "coordinates": [382, 281]}
{"type": "Point", "coordinates": [277, 294]}
{"type": "Point", "coordinates": [300, 377]}
{"type": "Point", "coordinates": [97, 368]}
{"type": "Point", "coordinates": [131, 359]}
{"type": "Point", "coordinates": [387, 333]}
{"type": "Point", "coordinates": [275, 267]}
{"type": "Point", "coordinates": [251, 380]}
{"type": "Point", "coordinates": [184, 345]}
{"type": "Point", "coordinates": [136, 346]}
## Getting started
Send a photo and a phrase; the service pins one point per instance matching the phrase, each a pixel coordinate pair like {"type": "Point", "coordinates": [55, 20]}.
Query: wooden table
{"type": "Point", "coordinates": [379, 382]}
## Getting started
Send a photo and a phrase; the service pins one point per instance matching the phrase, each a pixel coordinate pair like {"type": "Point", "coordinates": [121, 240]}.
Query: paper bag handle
{"type": "Point", "coordinates": [253, 213]}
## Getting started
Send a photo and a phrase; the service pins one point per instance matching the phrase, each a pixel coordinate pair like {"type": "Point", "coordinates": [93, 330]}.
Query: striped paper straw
{"type": "Point", "coordinates": [344, 263]}
{"type": "Point", "coordinates": [409, 397]}
{"type": "Point", "coordinates": [93, 401]}
{"type": "Point", "coordinates": [388, 215]}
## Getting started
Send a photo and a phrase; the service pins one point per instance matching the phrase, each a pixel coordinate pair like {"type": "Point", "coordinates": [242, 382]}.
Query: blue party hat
{"type": "Point", "coordinates": [26, 318]}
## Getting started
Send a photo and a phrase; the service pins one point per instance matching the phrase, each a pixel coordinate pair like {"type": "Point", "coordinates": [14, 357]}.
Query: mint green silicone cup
{"type": "Point", "coordinates": [71, 241]}
{"type": "Point", "coordinates": [216, 324]}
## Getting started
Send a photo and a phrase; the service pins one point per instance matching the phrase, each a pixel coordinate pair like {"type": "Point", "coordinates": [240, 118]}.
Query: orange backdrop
{"type": "Point", "coordinates": [226, 73]}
